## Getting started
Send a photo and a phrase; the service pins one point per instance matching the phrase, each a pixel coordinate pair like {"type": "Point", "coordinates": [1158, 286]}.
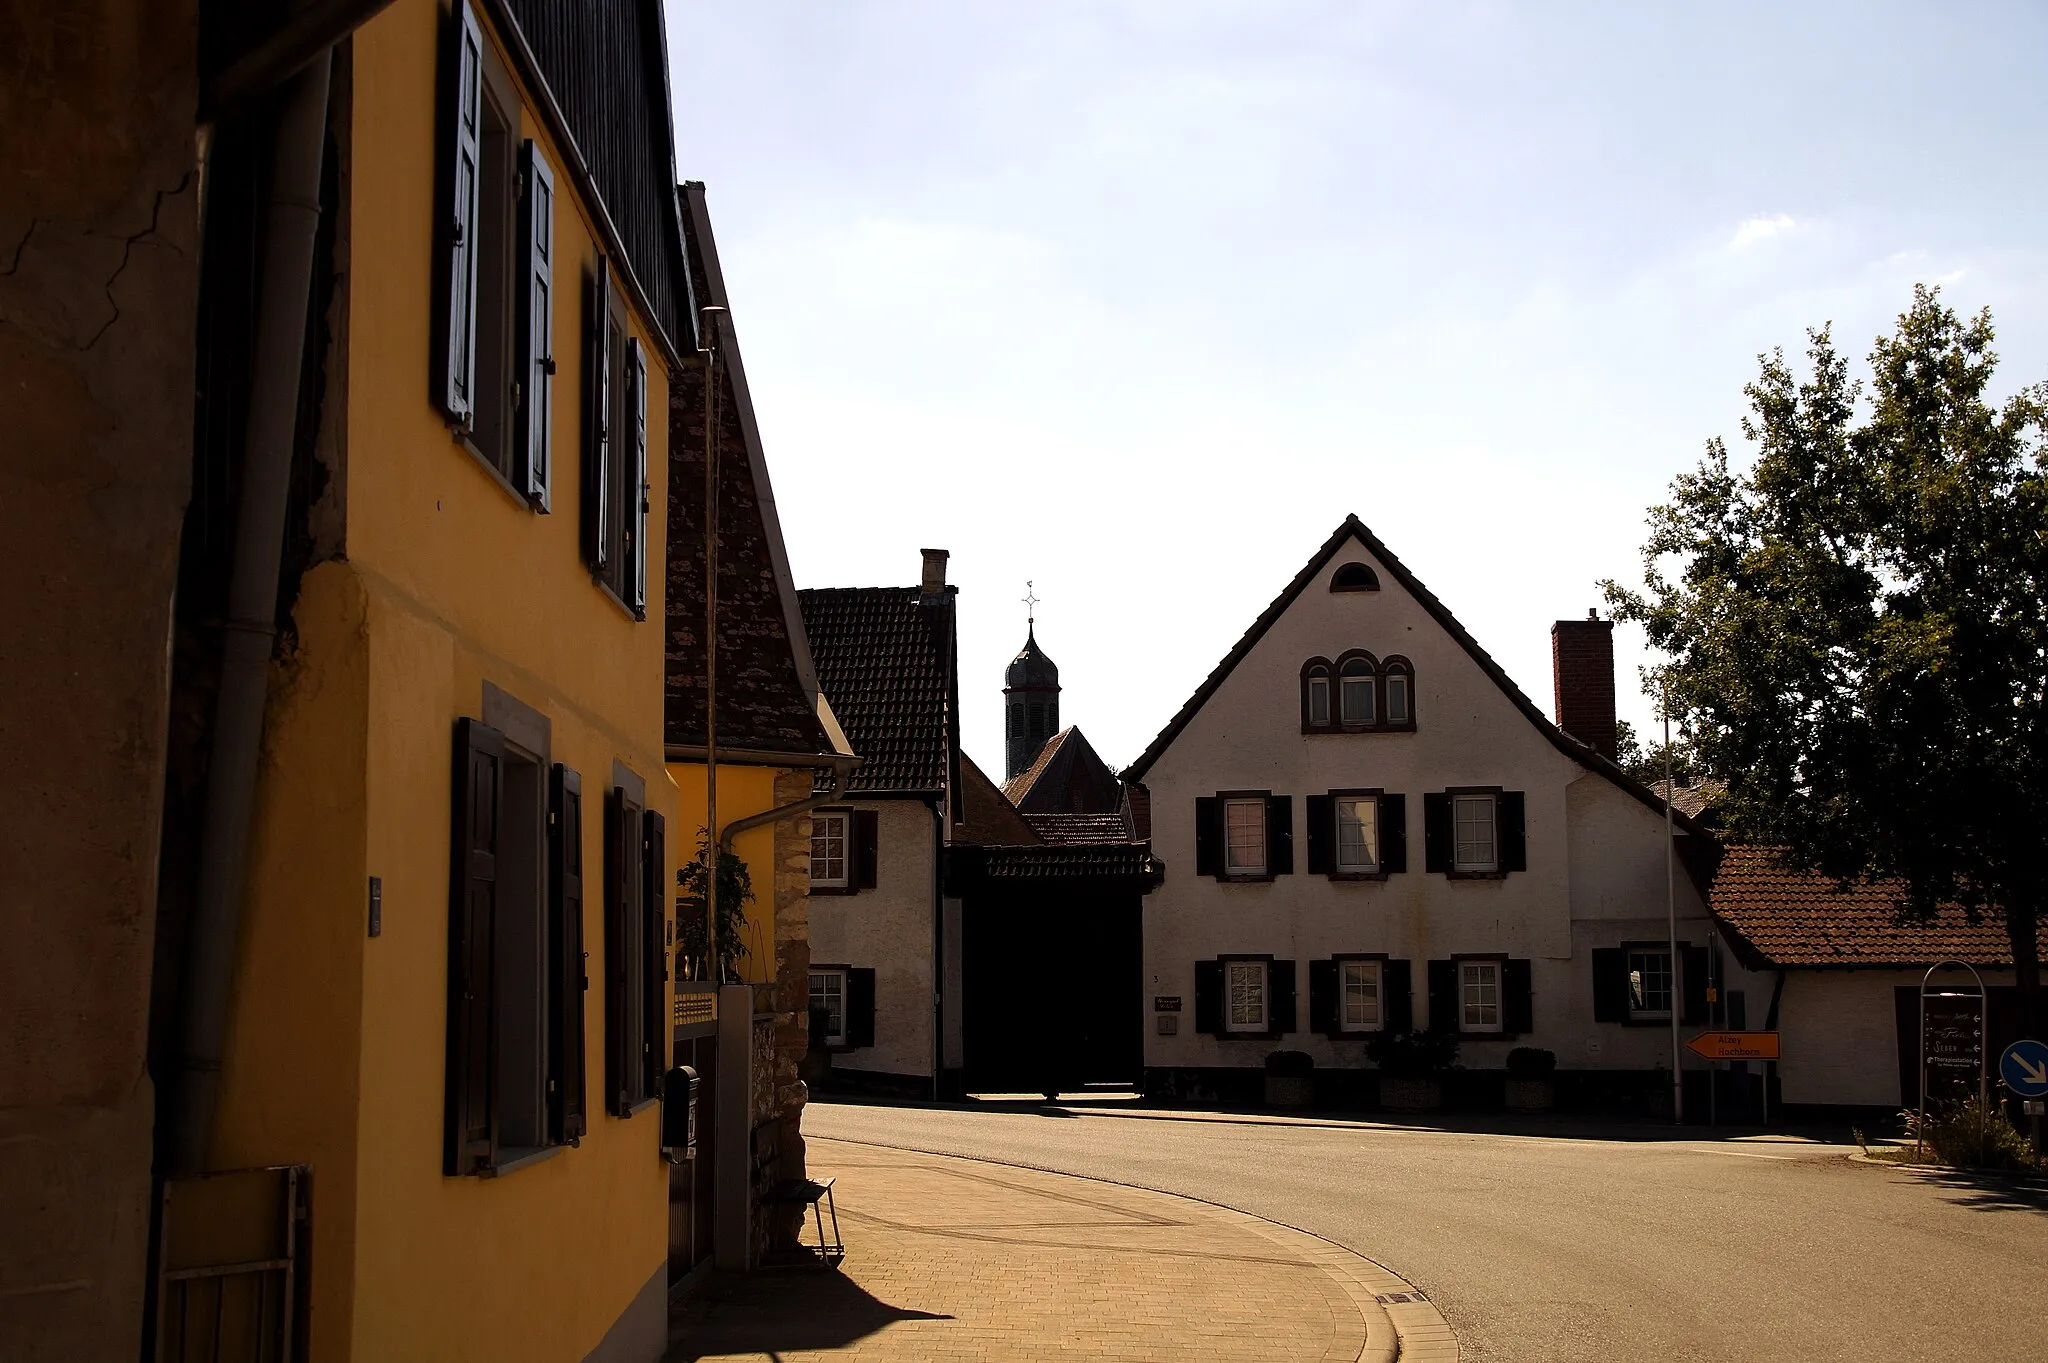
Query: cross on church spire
{"type": "Point", "coordinates": [1030, 605]}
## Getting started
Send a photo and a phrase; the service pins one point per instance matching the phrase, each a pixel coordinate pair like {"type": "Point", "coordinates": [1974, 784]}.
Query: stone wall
{"type": "Point", "coordinates": [789, 998]}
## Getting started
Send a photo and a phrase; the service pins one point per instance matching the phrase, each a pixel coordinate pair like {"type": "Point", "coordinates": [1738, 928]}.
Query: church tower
{"type": "Point", "coordinates": [1031, 699]}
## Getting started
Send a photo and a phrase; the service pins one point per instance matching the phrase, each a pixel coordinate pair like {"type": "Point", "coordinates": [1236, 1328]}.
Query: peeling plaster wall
{"type": "Point", "coordinates": [98, 280]}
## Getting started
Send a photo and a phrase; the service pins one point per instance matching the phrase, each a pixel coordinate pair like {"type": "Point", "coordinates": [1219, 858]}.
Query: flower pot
{"type": "Point", "coordinates": [1289, 1090]}
{"type": "Point", "coordinates": [1401, 1093]}
{"type": "Point", "coordinates": [1530, 1095]}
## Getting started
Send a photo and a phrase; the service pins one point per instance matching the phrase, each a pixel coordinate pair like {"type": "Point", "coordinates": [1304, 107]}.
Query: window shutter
{"type": "Point", "coordinates": [621, 950]}
{"type": "Point", "coordinates": [1208, 836]}
{"type": "Point", "coordinates": [1436, 832]}
{"type": "Point", "coordinates": [462, 132]}
{"type": "Point", "coordinates": [565, 931]}
{"type": "Point", "coordinates": [597, 417]}
{"type": "Point", "coordinates": [1610, 984]}
{"type": "Point", "coordinates": [1322, 835]}
{"type": "Point", "coordinates": [1518, 998]}
{"type": "Point", "coordinates": [654, 920]}
{"type": "Point", "coordinates": [471, 1133]}
{"type": "Point", "coordinates": [867, 848]}
{"type": "Point", "coordinates": [1396, 989]}
{"type": "Point", "coordinates": [1209, 997]}
{"type": "Point", "coordinates": [1280, 1011]}
{"type": "Point", "coordinates": [1693, 976]}
{"type": "Point", "coordinates": [1279, 835]}
{"type": "Point", "coordinates": [1514, 851]}
{"type": "Point", "coordinates": [860, 1008]}
{"type": "Point", "coordinates": [1322, 994]}
{"type": "Point", "coordinates": [1393, 833]}
{"type": "Point", "coordinates": [1443, 996]}
{"type": "Point", "coordinates": [537, 324]}
{"type": "Point", "coordinates": [636, 507]}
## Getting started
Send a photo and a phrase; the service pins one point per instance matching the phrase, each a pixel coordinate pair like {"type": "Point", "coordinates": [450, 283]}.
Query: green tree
{"type": "Point", "coordinates": [1854, 625]}
{"type": "Point", "coordinates": [693, 942]}
{"type": "Point", "coordinates": [1646, 764]}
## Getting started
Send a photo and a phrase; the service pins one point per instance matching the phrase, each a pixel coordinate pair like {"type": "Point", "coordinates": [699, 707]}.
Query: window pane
{"type": "Point", "coordinates": [1361, 1001]}
{"type": "Point", "coordinates": [828, 991]}
{"type": "Point", "coordinates": [1649, 982]}
{"type": "Point", "coordinates": [1319, 700]}
{"type": "Point", "coordinates": [1248, 994]}
{"type": "Point", "coordinates": [1480, 990]}
{"type": "Point", "coordinates": [828, 849]}
{"type": "Point", "coordinates": [1245, 834]}
{"type": "Point", "coordinates": [1357, 692]}
{"type": "Point", "coordinates": [1475, 833]}
{"type": "Point", "coordinates": [1358, 834]}
{"type": "Point", "coordinates": [1397, 698]}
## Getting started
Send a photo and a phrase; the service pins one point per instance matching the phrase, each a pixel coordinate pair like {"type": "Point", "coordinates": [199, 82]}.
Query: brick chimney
{"type": "Point", "coordinates": [1582, 661]}
{"type": "Point", "coordinates": [934, 571]}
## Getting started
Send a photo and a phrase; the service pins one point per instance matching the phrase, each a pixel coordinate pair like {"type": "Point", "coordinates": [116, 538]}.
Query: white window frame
{"type": "Point", "coordinates": [844, 822]}
{"type": "Point", "coordinates": [1648, 1014]}
{"type": "Point", "coordinates": [1407, 685]}
{"type": "Point", "coordinates": [1231, 866]}
{"type": "Point", "coordinates": [831, 1038]}
{"type": "Point", "coordinates": [1478, 976]}
{"type": "Point", "coordinates": [1369, 680]}
{"type": "Point", "coordinates": [1371, 824]}
{"type": "Point", "coordinates": [1264, 985]}
{"type": "Point", "coordinates": [1373, 970]}
{"type": "Point", "coordinates": [1319, 687]}
{"type": "Point", "coordinates": [1460, 802]}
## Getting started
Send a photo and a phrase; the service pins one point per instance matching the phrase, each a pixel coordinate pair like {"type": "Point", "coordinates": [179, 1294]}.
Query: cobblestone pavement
{"type": "Point", "coordinates": [958, 1259]}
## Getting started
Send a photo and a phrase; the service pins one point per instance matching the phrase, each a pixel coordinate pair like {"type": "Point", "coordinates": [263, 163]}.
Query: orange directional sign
{"type": "Point", "coordinates": [1735, 1045]}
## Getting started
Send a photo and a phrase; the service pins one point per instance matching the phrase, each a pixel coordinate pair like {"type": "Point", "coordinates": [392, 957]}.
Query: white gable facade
{"type": "Point", "coordinates": [1441, 858]}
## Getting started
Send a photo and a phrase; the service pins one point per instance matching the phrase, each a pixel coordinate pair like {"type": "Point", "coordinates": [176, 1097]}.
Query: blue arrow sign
{"type": "Point", "coordinates": [2024, 1068]}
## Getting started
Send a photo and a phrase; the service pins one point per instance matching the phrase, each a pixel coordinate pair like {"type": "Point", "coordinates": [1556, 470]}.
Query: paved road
{"type": "Point", "coordinates": [1543, 1248]}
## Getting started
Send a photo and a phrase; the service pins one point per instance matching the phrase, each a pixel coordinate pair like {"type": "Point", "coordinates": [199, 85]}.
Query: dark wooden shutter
{"type": "Point", "coordinates": [1397, 989]}
{"type": "Point", "coordinates": [1323, 1014]}
{"type": "Point", "coordinates": [1321, 812]}
{"type": "Point", "coordinates": [1436, 832]}
{"type": "Point", "coordinates": [1518, 997]}
{"type": "Point", "coordinates": [1514, 849]}
{"type": "Point", "coordinates": [1279, 835]}
{"type": "Point", "coordinates": [1209, 997]}
{"type": "Point", "coordinates": [1208, 836]}
{"type": "Point", "coordinates": [454, 378]}
{"type": "Point", "coordinates": [654, 920]}
{"type": "Point", "coordinates": [471, 1132]}
{"type": "Point", "coordinates": [1694, 980]}
{"type": "Point", "coordinates": [1610, 984]}
{"type": "Point", "coordinates": [1393, 833]}
{"type": "Point", "coordinates": [636, 501]}
{"type": "Point", "coordinates": [597, 418]}
{"type": "Point", "coordinates": [860, 1008]}
{"type": "Point", "coordinates": [536, 417]}
{"type": "Point", "coordinates": [866, 825]}
{"type": "Point", "coordinates": [568, 980]}
{"type": "Point", "coordinates": [1443, 996]}
{"type": "Point", "coordinates": [1280, 1004]}
{"type": "Point", "coordinates": [621, 952]}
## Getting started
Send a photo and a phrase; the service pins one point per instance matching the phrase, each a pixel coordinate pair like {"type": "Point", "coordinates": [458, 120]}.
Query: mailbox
{"type": "Point", "coordinates": [679, 1114]}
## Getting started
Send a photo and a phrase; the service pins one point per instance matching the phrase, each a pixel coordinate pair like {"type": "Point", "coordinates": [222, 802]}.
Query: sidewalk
{"type": "Point", "coordinates": [958, 1259]}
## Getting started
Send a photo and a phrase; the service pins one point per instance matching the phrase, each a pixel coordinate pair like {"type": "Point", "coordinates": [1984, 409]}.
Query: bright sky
{"type": "Point", "coordinates": [1137, 301]}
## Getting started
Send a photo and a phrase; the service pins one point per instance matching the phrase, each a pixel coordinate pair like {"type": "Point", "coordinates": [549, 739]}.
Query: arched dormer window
{"type": "Point", "coordinates": [1357, 691]}
{"type": "Point", "coordinates": [1316, 712]}
{"type": "Point", "coordinates": [1397, 686]}
{"type": "Point", "coordinates": [1355, 577]}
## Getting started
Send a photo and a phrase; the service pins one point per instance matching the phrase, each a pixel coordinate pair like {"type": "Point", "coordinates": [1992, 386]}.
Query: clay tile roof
{"type": "Point", "coordinates": [885, 661]}
{"type": "Point", "coordinates": [1018, 863]}
{"type": "Point", "coordinates": [1074, 830]}
{"type": "Point", "coordinates": [1067, 777]}
{"type": "Point", "coordinates": [1790, 917]}
{"type": "Point", "coordinates": [985, 816]}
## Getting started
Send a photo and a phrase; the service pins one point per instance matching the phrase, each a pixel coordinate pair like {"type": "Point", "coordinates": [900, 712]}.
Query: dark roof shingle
{"type": "Point", "coordinates": [1791, 917]}
{"type": "Point", "coordinates": [1079, 830]}
{"type": "Point", "coordinates": [885, 661]}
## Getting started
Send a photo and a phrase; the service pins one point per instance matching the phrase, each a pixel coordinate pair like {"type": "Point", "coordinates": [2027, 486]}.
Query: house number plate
{"type": "Point", "coordinates": [1166, 1003]}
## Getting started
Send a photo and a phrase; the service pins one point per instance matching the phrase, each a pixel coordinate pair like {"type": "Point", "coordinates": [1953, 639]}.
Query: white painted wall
{"type": "Point", "coordinates": [1595, 853]}
{"type": "Point", "coordinates": [889, 930]}
{"type": "Point", "coordinates": [1842, 1035]}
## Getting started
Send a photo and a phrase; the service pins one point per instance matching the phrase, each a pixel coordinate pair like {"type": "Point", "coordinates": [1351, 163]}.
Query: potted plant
{"type": "Point", "coordinates": [1529, 1083]}
{"type": "Point", "coordinates": [1290, 1079]}
{"type": "Point", "coordinates": [1411, 1066]}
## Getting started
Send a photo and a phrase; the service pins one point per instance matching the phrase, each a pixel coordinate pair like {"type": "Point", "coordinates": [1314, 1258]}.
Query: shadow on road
{"type": "Point", "coordinates": [1988, 1192]}
{"type": "Point", "coordinates": [777, 1313]}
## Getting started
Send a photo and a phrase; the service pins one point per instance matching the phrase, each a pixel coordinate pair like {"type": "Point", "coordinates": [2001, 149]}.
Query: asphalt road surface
{"type": "Point", "coordinates": [1543, 1247]}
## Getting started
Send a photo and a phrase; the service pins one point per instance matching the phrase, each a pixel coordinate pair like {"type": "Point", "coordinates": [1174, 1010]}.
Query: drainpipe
{"type": "Point", "coordinates": [842, 768]}
{"type": "Point", "coordinates": [251, 623]}
{"type": "Point", "coordinates": [708, 325]}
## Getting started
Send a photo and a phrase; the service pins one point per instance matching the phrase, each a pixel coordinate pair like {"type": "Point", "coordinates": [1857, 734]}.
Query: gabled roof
{"type": "Point", "coordinates": [603, 69]}
{"type": "Point", "coordinates": [1353, 528]}
{"type": "Point", "coordinates": [1782, 916]}
{"type": "Point", "coordinates": [885, 657]}
{"type": "Point", "coordinates": [1067, 777]}
{"type": "Point", "coordinates": [987, 817]}
{"type": "Point", "coordinates": [769, 700]}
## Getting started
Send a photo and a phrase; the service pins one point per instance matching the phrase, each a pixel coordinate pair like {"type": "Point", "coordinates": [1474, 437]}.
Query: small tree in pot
{"type": "Point", "coordinates": [1529, 1083]}
{"type": "Point", "coordinates": [1411, 1066]}
{"type": "Point", "coordinates": [1290, 1079]}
